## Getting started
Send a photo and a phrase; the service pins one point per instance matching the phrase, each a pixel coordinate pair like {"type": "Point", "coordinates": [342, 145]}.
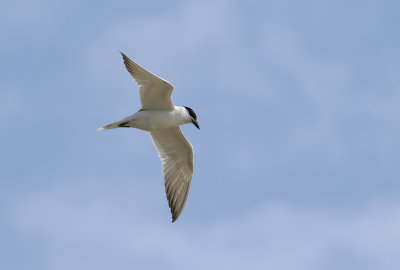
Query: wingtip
{"type": "Point", "coordinates": [100, 129]}
{"type": "Point", "coordinates": [175, 216]}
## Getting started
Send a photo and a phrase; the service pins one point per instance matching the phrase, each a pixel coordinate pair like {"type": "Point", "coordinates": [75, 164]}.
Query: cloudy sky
{"type": "Point", "coordinates": [296, 162]}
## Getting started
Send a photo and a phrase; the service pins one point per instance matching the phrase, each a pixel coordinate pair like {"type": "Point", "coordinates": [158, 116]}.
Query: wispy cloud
{"type": "Point", "coordinates": [307, 101]}
{"type": "Point", "coordinates": [75, 219]}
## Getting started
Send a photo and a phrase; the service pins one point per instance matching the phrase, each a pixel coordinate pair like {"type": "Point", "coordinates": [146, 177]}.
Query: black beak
{"type": "Point", "coordinates": [195, 123]}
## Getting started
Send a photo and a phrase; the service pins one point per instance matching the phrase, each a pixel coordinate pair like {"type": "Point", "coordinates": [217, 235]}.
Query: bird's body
{"type": "Point", "coordinates": [162, 119]}
{"type": "Point", "coordinates": [154, 119]}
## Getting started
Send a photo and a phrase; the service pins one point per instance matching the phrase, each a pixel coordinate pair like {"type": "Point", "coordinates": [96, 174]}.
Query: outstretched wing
{"type": "Point", "coordinates": [155, 93]}
{"type": "Point", "coordinates": [176, 154]}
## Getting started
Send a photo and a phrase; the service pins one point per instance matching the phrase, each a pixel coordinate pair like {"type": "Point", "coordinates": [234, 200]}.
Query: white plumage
{"type": "Point", "coordinates": [162, 118]}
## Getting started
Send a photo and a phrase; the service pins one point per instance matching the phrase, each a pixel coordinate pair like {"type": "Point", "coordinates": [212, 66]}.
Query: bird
{"type": "Point", "coordinates": [162, 119]}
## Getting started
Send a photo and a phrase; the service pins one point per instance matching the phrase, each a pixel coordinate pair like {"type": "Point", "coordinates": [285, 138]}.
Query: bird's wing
{"type": "Point", "coordinates": [176, 154]}
{"type": "Point", "coordinates": [155, 93]}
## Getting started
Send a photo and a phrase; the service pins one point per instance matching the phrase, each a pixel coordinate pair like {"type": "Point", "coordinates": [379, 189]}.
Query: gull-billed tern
{"type": "Point", "coordinates": [162, 119]}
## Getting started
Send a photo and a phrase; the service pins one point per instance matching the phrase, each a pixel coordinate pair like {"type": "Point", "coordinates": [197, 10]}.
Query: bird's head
{"type": "Point", "coordinates": [192, 116]}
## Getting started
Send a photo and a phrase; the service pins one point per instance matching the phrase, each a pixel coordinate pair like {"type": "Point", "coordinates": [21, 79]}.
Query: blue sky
{"type": "Point", "coordinates": [296, 162]}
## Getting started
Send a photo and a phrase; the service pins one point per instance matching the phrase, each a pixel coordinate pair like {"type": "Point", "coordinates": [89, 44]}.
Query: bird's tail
{"type": "Point", "coordinates": [117, 124]}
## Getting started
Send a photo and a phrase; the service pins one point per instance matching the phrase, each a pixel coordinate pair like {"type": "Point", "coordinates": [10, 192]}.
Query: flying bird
{"type": "Point", "coordinates": [162, 119]}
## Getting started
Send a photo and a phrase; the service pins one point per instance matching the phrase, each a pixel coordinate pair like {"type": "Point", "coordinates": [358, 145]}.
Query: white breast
{"type": "Point", "coordinates": [156, 119]}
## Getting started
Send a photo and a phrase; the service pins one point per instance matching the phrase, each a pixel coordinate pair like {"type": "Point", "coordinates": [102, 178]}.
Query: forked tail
{"type": "Point", "coordinates": [114, 125]}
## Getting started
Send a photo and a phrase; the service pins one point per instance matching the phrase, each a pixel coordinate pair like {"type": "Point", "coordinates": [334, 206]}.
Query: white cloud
{"type": "Point", "coordinates": [80, 226]}
{"type": "Point", "coordinates": [183, 31]}
{"type": "Point", "coordinates": [79, 223]}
